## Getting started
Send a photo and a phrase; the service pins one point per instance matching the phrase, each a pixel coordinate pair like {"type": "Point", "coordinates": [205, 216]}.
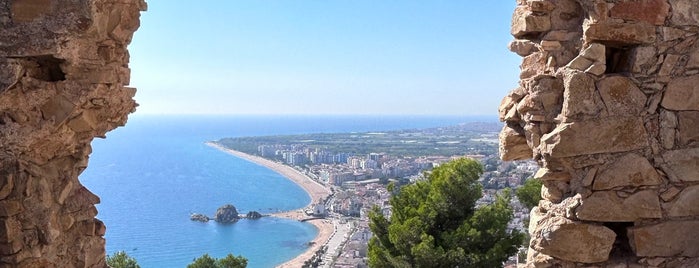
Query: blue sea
{"type": "Point", "coordinates": [155, 171]}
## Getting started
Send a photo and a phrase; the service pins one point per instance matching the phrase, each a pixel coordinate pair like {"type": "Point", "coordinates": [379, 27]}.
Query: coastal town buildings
{"type": "Point", "coordinates": [359, 183]}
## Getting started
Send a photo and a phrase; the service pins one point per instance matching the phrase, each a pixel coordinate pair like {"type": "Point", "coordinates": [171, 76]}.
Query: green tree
{"type": "Point", "coordinates": [435, 223]}
{"type": "Point", "coordinates": [530, 193]}
{"type": "Point", "coordinates": [121, 260]}
{"type": "Point", "coordinates": [205, 261]}
{"type": "Point", "coordinates": [230, 261]}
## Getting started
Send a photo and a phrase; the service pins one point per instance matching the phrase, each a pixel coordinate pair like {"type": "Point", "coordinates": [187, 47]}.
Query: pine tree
{"type": "Point", "coordinates": [435, 223]}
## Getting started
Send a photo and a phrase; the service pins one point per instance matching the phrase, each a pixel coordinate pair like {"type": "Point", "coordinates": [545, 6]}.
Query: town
{"type": "Point", "coordinates": [358, 180]}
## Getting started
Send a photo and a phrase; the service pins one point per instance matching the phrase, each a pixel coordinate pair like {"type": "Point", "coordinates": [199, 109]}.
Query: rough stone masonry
{"type": "Point", "coordinates": [63, 71]}
{"type": "Point", "coordinates": [608, 105]}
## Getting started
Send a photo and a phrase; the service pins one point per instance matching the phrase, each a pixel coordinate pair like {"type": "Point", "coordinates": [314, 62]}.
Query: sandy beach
{"type": "Point", "coordinates": [314, 189]}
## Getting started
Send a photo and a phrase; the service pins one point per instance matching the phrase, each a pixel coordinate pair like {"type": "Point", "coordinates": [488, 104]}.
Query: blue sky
{"type": "Point", "coordinates": [426, 57]}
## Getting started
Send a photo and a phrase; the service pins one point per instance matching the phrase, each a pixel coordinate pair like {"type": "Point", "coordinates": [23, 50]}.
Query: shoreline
{"type": "Point", "coordinates": [314, 189]}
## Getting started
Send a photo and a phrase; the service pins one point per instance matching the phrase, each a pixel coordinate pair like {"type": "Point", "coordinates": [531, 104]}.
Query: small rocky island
{"type": "Point", "coordinates": [199, 217]}
{"type": "Point", "coordinates": [225, 214]}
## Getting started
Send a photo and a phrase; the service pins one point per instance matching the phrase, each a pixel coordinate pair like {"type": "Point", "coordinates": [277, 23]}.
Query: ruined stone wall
{"type": "Point", "coordinates": [63, 71]}
{"type": "Point", "coordinates": [608, 105]}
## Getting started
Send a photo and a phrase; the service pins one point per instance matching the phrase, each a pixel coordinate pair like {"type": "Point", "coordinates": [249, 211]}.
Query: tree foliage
{"type": "Point", "coordinates": [530, 193]}
{"type": "Point", "coordinates": [435, 223]}
{"type": "Point", "coordinates": [230, 261]}
{"type": "Point", "coordinates": [122, 260]}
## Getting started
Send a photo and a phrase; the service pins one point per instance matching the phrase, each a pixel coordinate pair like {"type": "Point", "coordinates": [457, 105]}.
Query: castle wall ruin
{"type": "Point", "coordinates": [608, 105]}
{"type": "Point", "coordinates": [63, 71]}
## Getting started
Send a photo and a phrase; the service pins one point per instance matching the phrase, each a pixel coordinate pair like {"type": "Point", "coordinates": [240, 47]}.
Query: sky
{"type": "Point", "coordinates": [328, 57]}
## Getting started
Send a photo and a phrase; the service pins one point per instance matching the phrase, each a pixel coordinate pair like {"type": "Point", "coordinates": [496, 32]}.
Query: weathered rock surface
{"type": "Point", "coordinates": [226, 214]}
{"type": "Point", "coordinates": [686, 203]}
{"type": "Point", "coordinates": [621, 96]}
{"type": "Point", "coordinates": [667, 239]}
{"type": "Point", "coordinates": [596, 136]}
{"type": "Point", "coordinates": [63, 81]}
{"type": "Point", "coordinates": [513, 145]}
{"type": "Point", "coordinates": [608, 104]}
{"type": "Point", "coordinates": [651, 11]}
{"type": "Point", "coordinates": [629, 170]}
{"type": "Point", "coordinates": [681, 165]}
{"type": "Point", "coordinates": [573, 241]}
{"type": "Point", "coordinates": [687, 128]}
{"type": "Point", "coordinates": [607, 206]}
{"type": "Point", "coordinates": [682, 94]}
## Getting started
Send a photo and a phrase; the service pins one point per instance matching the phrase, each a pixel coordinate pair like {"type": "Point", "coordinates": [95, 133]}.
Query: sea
{"type": "Point", "coordinates": [154, 172]}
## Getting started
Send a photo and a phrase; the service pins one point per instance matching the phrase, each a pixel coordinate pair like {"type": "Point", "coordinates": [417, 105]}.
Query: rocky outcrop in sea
{"type": "Point", "coordinates": [253, 215]}
{"type": "Point", "coordinates": [199, 217]}
{"type": "Point", "coordinates": [226, 214]}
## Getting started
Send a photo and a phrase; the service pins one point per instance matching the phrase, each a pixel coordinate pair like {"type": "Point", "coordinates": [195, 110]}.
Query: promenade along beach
{"type": "Point", "coordinates": [314, 189]}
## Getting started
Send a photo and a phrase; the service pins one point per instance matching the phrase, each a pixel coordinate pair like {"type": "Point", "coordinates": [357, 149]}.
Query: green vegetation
{"type": "Point", "coordinates": [530, 193]}
{"type": "Point", "coordinates": [121, 260]}
{"type": "Point", "coordinates": [435, 223]}
{"type": "Point", "coordinates": [472, 138]}
{"type": "Point", "coordinates": [230, 261]}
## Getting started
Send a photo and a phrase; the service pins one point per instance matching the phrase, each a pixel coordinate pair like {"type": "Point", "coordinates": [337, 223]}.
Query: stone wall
{"type": "Point", "coordinates": [608, 105]}
{"type": "Point", "coordinates": [63, 67]}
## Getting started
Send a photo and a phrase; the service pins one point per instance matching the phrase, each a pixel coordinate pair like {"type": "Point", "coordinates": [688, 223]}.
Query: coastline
{"type": "Point", "coordinates": [315, 190]}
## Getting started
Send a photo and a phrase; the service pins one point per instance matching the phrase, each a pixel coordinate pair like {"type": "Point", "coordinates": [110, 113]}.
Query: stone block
{"type": "Point", "coordinates": [580, 63]}
{"type": "Point", "coordinates": [597, 69]}
{"type": "Point", "coordinates": [607, 206]}
{"type": "Point", "coordinates": [595, 52]}
{"type": "Point", "coordinates": [669, 194]}
{"type": "Point", "coordinates": [684, 12]}
{"type": "Point", "coordinates": [534, 64]}
{"type": "Point", "coordinates": [534, 217]}
{"type": "Point", "coordinates": [546, 174]}
{"type": "Point", "coordinates": [686, 203]}
{"type": "Point", "coordinates": [651, 11]}
{"type": "Point", "coordinates": [540, 5]}
{"type": "Point", "coordinates": [525, 22]}
{"type": "Point", "coordinates": [667, 239]}
{"type": "Point", "coordinates": [10, 73]}
{"type": "Point", "coordinates": [619, 34]}
{"type": "Point", "coordinates": [631, 170]}
{"type": "Point", "coordinates": [688, 126]}
{"type": "Point", "coordinates": [28, 10]}
{"type": "Point", "coordinates": [509, 102]}
{"type": "Point", "coordinates": [561, 35]}
{"type": "Point", "coordinates": [573, 241]}
{"type": "Point", "coordinates": [100, 228]}
{"type": "Point", "coordinates": [10, 208]}
{"type": "Point", "coordinates": [513, 145]}
{"type": "Point", "coordinates": [643, 57]}
{"type": "Point", "coordinates": [580, 96]}
{"type": "Point", "coordinates": [7, 184]}
{"type": "Point", "coordinates": [551, 192]}
{"type": "Point", "coordinates": [681, 165]}
{"type": "Point", "coordinates": [522, 47]}
{"type": "Point", "coordinates": [86, 121]}
{"type": "Point", "coordinates": [682, 94]}
{"type": "Point", "coordinates": [57, 108]}
{"type": "Point", "coordinates": [547, 45]}
{"type": "Point", "coordinates": [668, 64]}
{"type": "Point", "coordinates": [607, 135]}
{"type": "Point", "coordinates": [693, 62]}
{"type": "Point", "coordinates": [621, 96]}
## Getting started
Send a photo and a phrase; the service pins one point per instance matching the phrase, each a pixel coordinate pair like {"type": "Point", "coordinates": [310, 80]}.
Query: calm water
{"type": "Point", "coordinates": [154, 172]}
